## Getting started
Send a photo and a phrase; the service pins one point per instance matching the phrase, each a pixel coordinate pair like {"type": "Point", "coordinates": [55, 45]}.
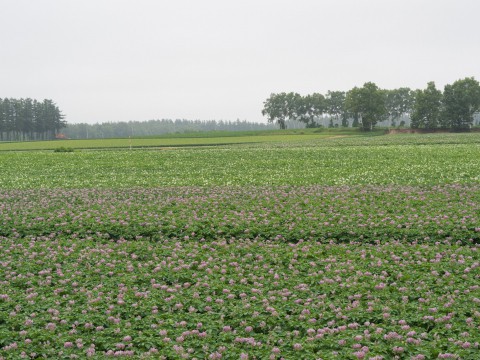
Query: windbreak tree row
{"type": "Point", "coordinates": [365, 106]}
{"type": "Point", "coordinates": [27, 119]}
{"type": "Point", "coordinates": [124, 129]}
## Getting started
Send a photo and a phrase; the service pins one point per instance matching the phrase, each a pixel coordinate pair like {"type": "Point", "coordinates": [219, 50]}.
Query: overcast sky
{"type": "Point", "coordinates": [120, 60]}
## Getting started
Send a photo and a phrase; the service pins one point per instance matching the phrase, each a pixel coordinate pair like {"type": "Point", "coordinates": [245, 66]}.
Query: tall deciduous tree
{"type": "Point", "coordinates": [274, 109]}
{"type": "Point", "coordinates": [311, 107]}
{"type": "Point", "coordinates": [282, 107]}
{"type": "Point", "coordinates": [369, 103]}
{"type": "Point", "coordinates": [398, 103]}
{"type": "Point", "coordinates": [352, 104]}
{"type": "Point", "coordinates": [427, 108]}
{"type": "Point", "coordinates": [335, 103]}
{"type": "Point", "coordinates": [461, 101]}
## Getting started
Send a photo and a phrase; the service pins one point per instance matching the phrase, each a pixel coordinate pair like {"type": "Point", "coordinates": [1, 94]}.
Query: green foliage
{"type": "Point", "coordinates": [365, 107]}
{"type": "Point", "coordinates": [292, 106]}
{"type": "Point", "coordinates": [399, 102]}
{"type": "Point", "coordinates": [310, 108]}
{"type": "Point", "coordinates": [27, 119]}
{"type": "Point", "coordinates": [461, 101]}
{"type": "Point", "coordinates": [427, 108]}
{"type": "Point", "coordinates": [159, 127]}
{"type": "Point", "coordinates": [335, 103]}
{"type": "Point", "coordinates": [275, 108]}
{"type": "Point", "coordinates": [368, 103]}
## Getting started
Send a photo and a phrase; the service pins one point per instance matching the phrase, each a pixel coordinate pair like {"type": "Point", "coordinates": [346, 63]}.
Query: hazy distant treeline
{"type": "Point", "coordinates": [157, 127]}
{"type": "Point", "coordinates": [454, 108]}
{"type": "Point", "coordinates": [27, 119]}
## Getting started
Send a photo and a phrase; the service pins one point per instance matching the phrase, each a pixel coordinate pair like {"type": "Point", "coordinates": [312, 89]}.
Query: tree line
{"type": "Point", "coordinates": [157, 127]}
{"type": "Point", "coordinates": [27, 119]}
{"type": "Point", "coordinates": [366, 106]}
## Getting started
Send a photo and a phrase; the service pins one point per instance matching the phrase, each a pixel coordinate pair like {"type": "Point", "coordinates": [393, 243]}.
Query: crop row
{"type": "Point", "coordinates": [288, 214]}
{"type": "Point", "coordinates": [236, 299]}
{"type": "Point", "coordinates": [240, 166]}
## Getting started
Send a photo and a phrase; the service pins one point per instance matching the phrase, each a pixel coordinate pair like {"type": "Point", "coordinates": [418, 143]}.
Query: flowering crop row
{"type": "Point", "coordinates": [237, 299]}
{"type": "Point", "coordinates": [332, 272]}
{"type": "Point", "coordinates": [289, 214]}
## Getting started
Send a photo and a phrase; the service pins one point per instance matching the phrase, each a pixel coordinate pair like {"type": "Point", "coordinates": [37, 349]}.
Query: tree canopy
{"type": "Point", "coordinates": [368, 105]}
{"type": "Point", "coordinates": [398, 102]}
{"type": "Point", "coordinates": [286, 106]}
{"type": "Point", "coordinates": [461, 101]}
{"type": "Point", "coordinates": [427, 108]}
{"type": "Point", "coordinates": [27, 119]}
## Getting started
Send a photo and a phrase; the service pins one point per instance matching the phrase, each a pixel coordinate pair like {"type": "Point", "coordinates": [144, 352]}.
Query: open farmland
{"type": "Point", "coordinates": [338, 248]}
{"type": "Point", "coordinates": [180, 140]}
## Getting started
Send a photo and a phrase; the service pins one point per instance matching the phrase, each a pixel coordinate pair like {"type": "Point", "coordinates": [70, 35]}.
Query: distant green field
{"type": "Point", "coordinates": [143, 143]}
{"type": "Point", "coordinates": [399, 160]}
{"type": "Point", "coordinates": [189, 139]}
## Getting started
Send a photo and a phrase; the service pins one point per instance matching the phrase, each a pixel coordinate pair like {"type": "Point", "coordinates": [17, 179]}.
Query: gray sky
{"type": "Point", "coordinates": [120, 60]}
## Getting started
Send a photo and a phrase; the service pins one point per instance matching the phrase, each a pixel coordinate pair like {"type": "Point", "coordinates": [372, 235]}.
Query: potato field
{"type": "Point", "coordinates": [313, 247]}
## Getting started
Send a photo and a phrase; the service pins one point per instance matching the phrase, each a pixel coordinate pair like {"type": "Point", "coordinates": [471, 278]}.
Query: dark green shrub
{"type": "Point", "coordinates": [63, 149]}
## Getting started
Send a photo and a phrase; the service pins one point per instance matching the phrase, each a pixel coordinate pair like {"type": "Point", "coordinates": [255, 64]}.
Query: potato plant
{"type": "Point", "coordinates": [339, 249]}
